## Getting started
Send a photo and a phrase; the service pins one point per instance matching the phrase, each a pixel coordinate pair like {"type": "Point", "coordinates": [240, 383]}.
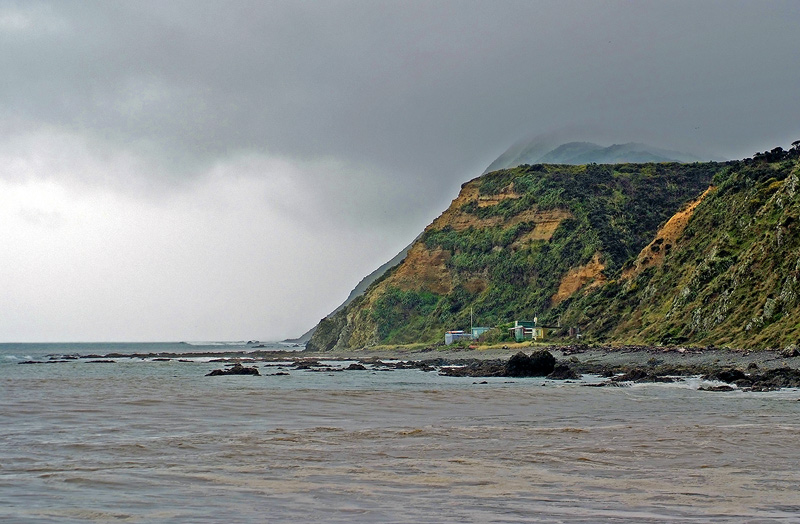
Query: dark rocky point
{"type": "Point", "coordinates": [563, 372]}
{"type": "Point", "coordinates": [236, 369]}
{"type": "Point", "coordinates": [541, 363]}
{"type": "Point", "coordinates": [716, 388]}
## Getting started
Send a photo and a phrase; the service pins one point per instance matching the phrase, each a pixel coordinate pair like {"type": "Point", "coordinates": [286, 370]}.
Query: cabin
{"type": "Point", "coordinates": [478, 331]}
{"type": "Point", "coordinates": [456, 335]}
{"type": "Point", "coordinates": [527, 330]}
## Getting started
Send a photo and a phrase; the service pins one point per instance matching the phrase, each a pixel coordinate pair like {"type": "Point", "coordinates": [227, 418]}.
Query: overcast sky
{"type": "Point", "coordinates": [230, 170]}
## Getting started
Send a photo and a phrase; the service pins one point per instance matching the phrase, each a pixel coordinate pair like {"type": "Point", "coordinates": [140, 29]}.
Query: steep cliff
{"type": "Point", "coordinates": [702, 253]}
{"type": "Point", "coordinates": [515, 244]}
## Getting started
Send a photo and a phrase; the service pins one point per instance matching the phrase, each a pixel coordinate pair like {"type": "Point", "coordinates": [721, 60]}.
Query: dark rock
{"type": "Point", "coordinates": [563, 372]}
{"type": "Point", "coordinates": [101, 361]}
{"type": "Point", "coordinates": [778, 378]}
{"type": "Point", "coordinates": [355, 367]}
{"type": "Point", "coordinates": [475, 368]}
{"type": "Point", "coordinates": [633, 375]}
{"type": "Point", "coordinates": [715, 388]}
{"type": "Point", "coordinates": [539, 364]}
{"type": "Point", "coordinates": [237, 369]}
{"type": "Point", "coordinates": [308, 364]}
{"type": "Point", "coordinates": [790, 351]}
{"type": "Point", "coordinates": [422, 365]}
{"type": "Point", "coordinates": [726, 375]}
{"type": "Point", "coordinates": [639, 375]}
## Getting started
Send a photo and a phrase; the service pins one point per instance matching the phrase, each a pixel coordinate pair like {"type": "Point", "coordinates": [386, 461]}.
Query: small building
{"type": "Point", "coordinates": [456, 335]}
{"type": "Point", "coordinates": [527, 330]}
{"type": "Point", "coordinates": [478, 331]}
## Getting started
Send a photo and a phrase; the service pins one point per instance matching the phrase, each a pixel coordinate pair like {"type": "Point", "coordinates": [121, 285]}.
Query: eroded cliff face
{"type": "Point", "coordinates": [427, 270]}
{"type": "Point", "coordinates": [667, 236]}
{"type": "Point", "coordinates": [516, 244]}
{"type": "Point", "coordinates": [725, 272]}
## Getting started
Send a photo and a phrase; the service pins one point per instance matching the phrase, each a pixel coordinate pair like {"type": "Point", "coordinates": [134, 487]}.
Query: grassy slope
{"type": "Point", "coordinates": [730, 279]}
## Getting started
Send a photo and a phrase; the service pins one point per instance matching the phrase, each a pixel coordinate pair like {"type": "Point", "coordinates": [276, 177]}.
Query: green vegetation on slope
{"type": "Point", "coordinates": [732, 277]}
{"type": "Point", "coordinates": [608, 213]}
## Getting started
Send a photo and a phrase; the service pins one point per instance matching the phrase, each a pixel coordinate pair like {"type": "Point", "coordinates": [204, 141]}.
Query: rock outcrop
{"type": "Point", "coordinates": [236, 369]}
{"type": "Point", "coordinates": [539, 364]}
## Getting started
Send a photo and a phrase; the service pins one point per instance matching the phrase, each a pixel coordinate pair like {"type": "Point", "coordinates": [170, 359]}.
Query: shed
{"type": "Point", "coordinates": [455, 335]}
{"type": "Point", "coordinates": [478, 331]}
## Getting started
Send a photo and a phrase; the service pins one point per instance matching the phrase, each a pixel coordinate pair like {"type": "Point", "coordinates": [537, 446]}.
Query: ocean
{"type": "Point", "coordinates": [146, 440]}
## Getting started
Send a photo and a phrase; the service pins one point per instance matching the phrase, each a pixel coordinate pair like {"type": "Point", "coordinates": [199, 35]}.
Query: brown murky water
{"type": "Point", "coordinates": [153, 442]}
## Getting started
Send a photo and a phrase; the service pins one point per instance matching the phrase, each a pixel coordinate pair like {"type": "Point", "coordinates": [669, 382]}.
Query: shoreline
{"type": "Point", "coordinates": [583, 355]}
{"type": "Point", "coordinates": [760, 370]}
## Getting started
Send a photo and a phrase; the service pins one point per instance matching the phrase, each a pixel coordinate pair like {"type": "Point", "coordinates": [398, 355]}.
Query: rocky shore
{"type": "Point", "coordinates": [724, 368]}
{"type": "Point", "coordinates": [762, 370]}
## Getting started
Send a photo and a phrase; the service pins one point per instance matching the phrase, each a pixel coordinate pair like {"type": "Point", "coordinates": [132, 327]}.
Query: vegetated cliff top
{"type": "Point", "coordinates": [627, 252]}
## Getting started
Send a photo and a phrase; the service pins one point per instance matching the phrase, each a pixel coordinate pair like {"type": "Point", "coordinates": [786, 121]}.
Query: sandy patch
{"type": "Point", "coordinates": [576, 278]}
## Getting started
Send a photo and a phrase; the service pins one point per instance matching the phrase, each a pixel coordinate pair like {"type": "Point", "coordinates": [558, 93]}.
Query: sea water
{"type": "Point", "coordinates": [154, 441]}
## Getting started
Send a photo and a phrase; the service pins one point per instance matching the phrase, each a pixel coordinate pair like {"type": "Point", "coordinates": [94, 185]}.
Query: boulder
{"type": "Point", "coordinates": [539, 364]}
{"type": "Point", "coordinates": [309, 364]}
{"type": "Point", "coordinates": [475, 368]}
{"type": "Point", "coordinates": [236, 369]}
{"type": "Point", "coordinates": [563, 372]}
{"type": "Point", "coordinates": [726, 375]}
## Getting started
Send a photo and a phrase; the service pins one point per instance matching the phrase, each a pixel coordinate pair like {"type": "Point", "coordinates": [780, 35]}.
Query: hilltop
{"type": "Point", "coordinates": [654, 253]}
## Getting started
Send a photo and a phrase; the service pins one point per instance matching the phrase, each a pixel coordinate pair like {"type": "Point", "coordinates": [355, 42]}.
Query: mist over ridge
{"type": "Point", "coordinates": [544, 150]}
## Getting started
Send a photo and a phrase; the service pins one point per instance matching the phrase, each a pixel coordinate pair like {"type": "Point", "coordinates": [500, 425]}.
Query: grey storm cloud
{"type": "Point", "coordinates": [361, 118]}
{"type": "Point", "coordinates": [424, 89]}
